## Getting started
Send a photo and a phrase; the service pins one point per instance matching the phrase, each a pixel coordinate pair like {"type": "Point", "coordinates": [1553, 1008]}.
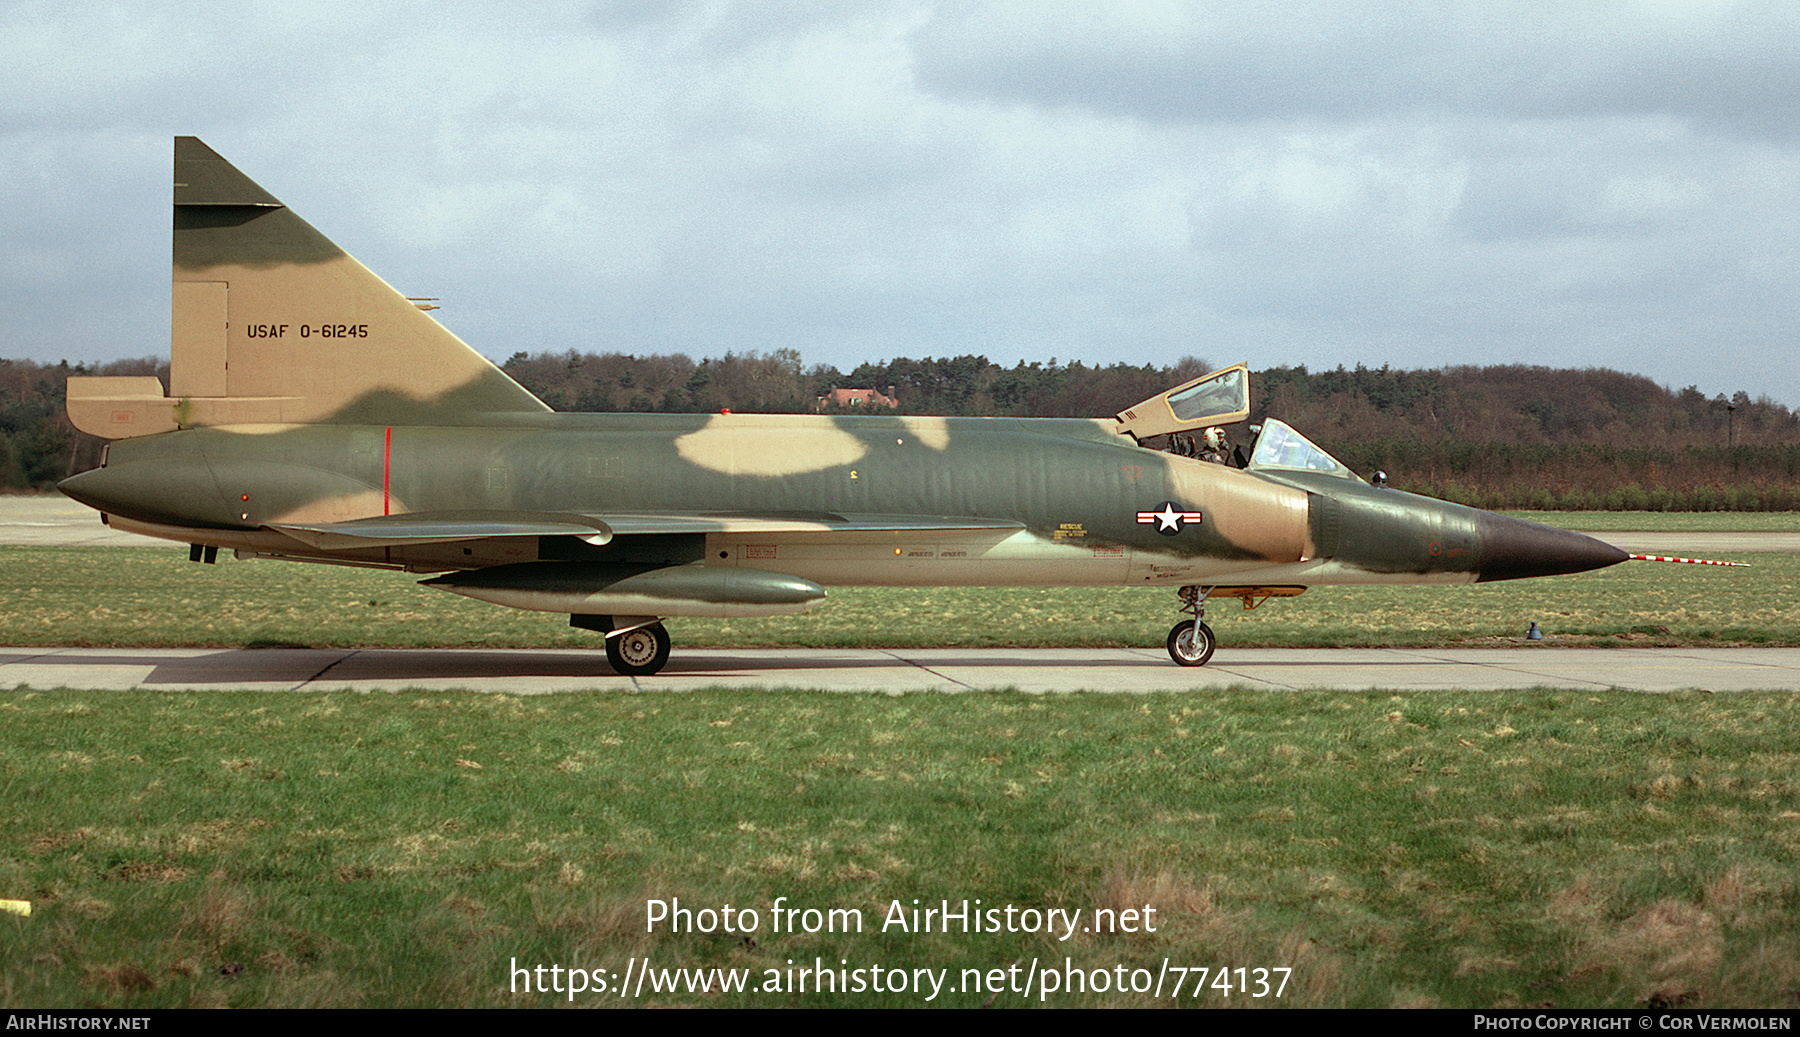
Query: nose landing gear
{"type": "Point", "coordinates": [1191, 642]}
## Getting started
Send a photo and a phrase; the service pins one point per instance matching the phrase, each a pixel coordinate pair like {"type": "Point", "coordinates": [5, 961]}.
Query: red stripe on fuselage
{"type": "Point", "coordinates": [387, 469]}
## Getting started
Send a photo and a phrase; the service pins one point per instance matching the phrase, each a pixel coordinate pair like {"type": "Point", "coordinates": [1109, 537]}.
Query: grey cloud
{"type": "Point", "coordinates": [1725, 65]}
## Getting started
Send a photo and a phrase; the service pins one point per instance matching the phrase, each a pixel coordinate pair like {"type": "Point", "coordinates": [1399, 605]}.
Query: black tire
{"type": "Point", "coordinates": [640, 652]}
{"type": "Point", "coordinates": [1191, 643]}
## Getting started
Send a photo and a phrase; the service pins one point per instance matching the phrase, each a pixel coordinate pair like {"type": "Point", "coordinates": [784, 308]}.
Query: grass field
{"type": "Point", "coordinates": [1428, 849]}
{"type": "Point", "coordinates": [1432, 849]}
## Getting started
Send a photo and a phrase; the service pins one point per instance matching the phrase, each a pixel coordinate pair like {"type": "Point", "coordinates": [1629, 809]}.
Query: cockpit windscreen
{"type": "Point", "coordinates": [1281, 447]}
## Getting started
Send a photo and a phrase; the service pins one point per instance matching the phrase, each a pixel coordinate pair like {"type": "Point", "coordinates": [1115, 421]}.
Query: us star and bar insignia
{"type": "Point", "coordinates": [1168, 518]}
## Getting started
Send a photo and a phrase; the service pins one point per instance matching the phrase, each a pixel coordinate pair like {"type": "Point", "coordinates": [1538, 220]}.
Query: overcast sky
{"type": "Point", "coordinates": [1573, 184]}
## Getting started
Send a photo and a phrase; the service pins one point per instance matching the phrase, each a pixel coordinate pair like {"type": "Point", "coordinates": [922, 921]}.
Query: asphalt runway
{"type": "Point", "coordinates": [59, 521]}
{"type": "Point", "coordinates": [897, 671]}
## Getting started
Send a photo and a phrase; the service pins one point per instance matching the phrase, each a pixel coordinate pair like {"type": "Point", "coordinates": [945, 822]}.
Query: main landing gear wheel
{"type": "Point", "coordinates": [1191, 643]}
{"type": "Point", "coordinates": [640, 652]}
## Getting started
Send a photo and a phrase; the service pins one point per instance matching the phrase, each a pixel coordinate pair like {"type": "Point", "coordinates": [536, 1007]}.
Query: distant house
{"type": "Point", "coordinates": [846, 399]}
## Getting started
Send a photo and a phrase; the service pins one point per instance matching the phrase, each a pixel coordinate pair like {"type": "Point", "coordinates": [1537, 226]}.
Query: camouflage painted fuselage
{"type": "Point", "coordinates": [314, 413]}
{"type": "Point", "coordinates": [814, 497]}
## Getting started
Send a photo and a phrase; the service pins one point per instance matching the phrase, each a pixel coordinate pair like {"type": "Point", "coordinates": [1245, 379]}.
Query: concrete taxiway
{"type": "Point", "coordinates": [1037, 671]}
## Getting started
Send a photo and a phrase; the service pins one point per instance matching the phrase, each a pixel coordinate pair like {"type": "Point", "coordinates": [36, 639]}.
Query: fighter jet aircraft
{"type": "Point", "coordinates": [315, 414]}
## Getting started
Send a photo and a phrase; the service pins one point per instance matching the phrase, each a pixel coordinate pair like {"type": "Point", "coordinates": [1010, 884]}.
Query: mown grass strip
{"type": "Point", "coordinates": [1432, 848]}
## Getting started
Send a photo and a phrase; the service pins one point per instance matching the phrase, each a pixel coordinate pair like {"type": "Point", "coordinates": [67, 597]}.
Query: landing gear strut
{"type": "Point", "coordinates": [1191, 642]}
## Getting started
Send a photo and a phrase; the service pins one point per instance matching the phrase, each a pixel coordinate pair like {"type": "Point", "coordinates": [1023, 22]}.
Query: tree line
{"type": "Point", "coordinates": [779, 383]}
{"type": "Point", "coordinates": [1547, 439]}
{"type": "Point", "coordinates": [1496, 437]}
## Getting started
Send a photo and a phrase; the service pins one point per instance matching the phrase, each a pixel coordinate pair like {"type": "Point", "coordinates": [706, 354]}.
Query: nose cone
{"type": "Point", "coordinates": [1512, 549]}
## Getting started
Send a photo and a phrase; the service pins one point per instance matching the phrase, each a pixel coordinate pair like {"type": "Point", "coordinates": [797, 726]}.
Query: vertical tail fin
{"type": "Point", "coordinates": [273, 323]}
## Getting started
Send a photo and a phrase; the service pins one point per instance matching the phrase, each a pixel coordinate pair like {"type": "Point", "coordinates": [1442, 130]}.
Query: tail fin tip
{"type": "Point", "coordinates": [272, 323]}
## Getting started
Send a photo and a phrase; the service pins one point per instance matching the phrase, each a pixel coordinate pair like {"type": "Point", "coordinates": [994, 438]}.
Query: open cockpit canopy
{"type": "Point", "coordinates": [1218, 398]}
{"type": "Point", "coordinates": [1222, 397]}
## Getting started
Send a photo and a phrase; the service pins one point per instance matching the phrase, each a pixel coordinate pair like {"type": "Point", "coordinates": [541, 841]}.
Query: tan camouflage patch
{"type": "Point", "coordinates": [930, 432]}
{"type": "Point", "coordinates": [769, 445]}
{"type": "Point", "coordinates": [344, 508]}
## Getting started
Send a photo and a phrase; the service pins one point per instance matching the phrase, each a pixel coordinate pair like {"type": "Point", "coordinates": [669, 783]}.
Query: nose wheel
{"type": "Point", "coordinates": [1191, 642]}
